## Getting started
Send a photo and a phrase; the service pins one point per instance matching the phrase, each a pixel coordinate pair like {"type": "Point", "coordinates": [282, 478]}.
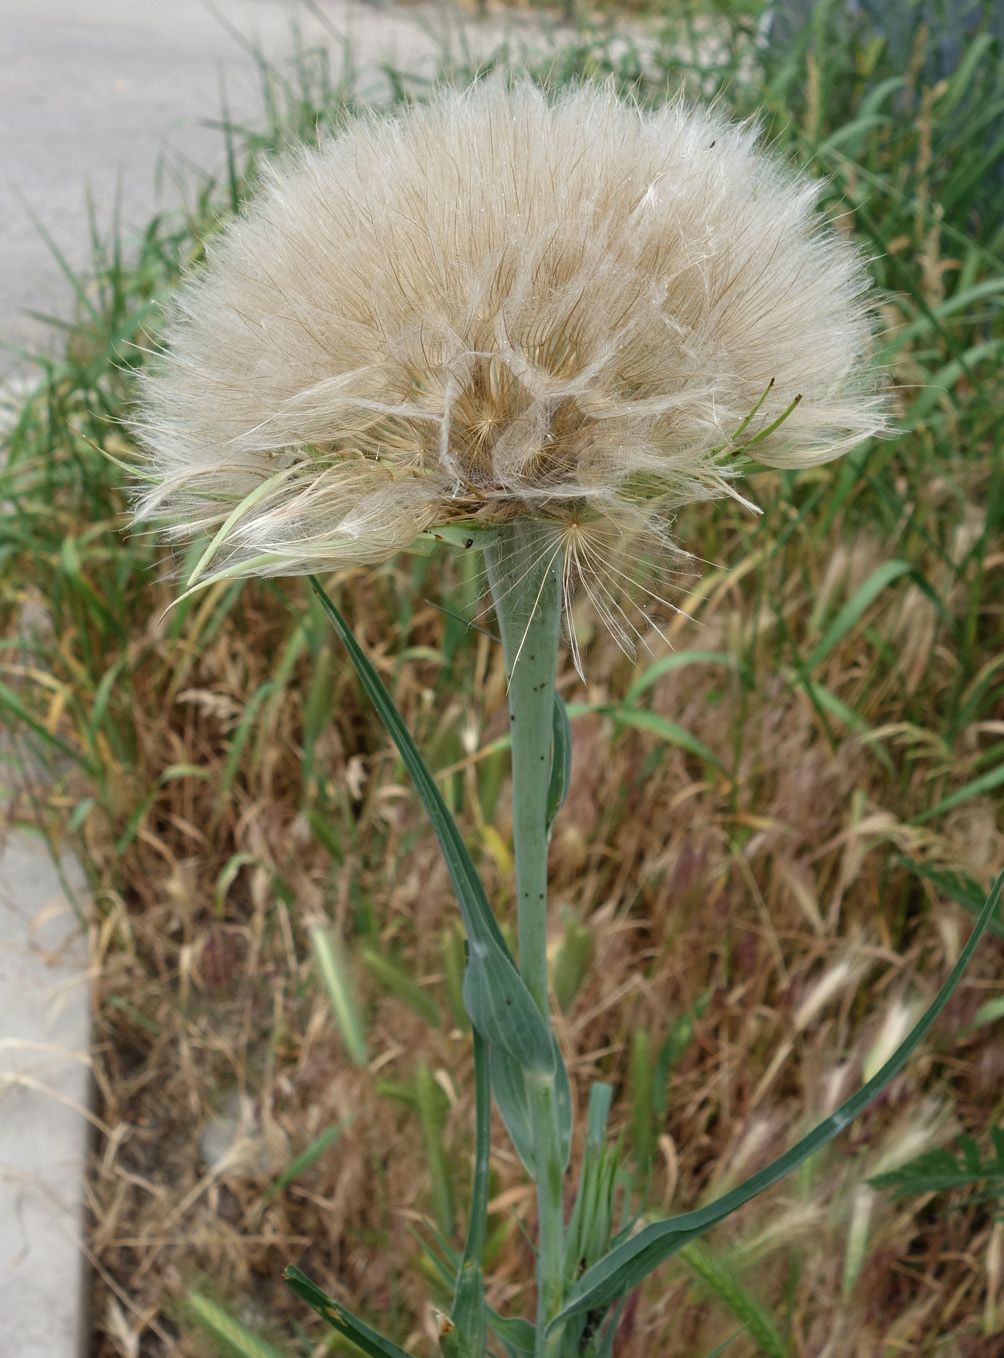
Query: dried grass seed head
{"type": "Point", "coordinates": [499, 304]}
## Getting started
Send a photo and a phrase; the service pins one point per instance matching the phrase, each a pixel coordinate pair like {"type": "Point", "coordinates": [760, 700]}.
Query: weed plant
{"type": "Point", "coordinates": [767, 863]}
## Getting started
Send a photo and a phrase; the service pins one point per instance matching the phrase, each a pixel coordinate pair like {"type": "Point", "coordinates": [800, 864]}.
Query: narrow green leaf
{"type": "Point", "coordinates": [401, 985]}
{"type": "Point", "coordinates": [236, 514]}
{"type": "Point", "coordinates": [989, 1012]}
{"type": "Point", "coordinates": [976, 788]}
{"type": "Point", "coordinates": [561, 761]}
{"type": "Point", "coordinates": [339, 1319]}
{"type": "Point", "coordinates": [571, 962]}
{"type": "Point", "coordinates": [334, 974]}
{"type": "Point", "coordinates": [428, 1104]}
{"type": "Point", "coordinates": [678, 1039]}
{"type": "Point", "coordinates": [103, 696]}
{"type": "Point", "coordinates": [642, 1116]}
{"type": "Point", "coordinates": [830, 703]}
{"type": "Point", "coordinates": [626, 1266]}
{"type": "Point", "coordinates": [454, 964]}
{"type": "Point", "coordinates": [669, 731]}
{"type": "Point", "coordinates": [855, 608]}
{"type": "Point", "coordinates": [14, 705]}
{"type": "Point", "coordinates": [589, 1230]}
{"type": "Point", "coordinates": [678, 660]}
{"type": "Point", "coordinates": [644, 720]}
{"type": "Point", "coordinates": [226, 1331]}
{"type": "Point", "coordinates": [500, 1006]}
{"type": "Point", "coordinates": [304, 1160]}
{"type": "Point", "coordinates": [509, 1085]}
{"type": "Point", "coordinates": [740, 1301]}
{"type": "Point", "coordinates": [517, 1336]}
{"type": "Point", "coordinates": [958, 887]}
{"type": "Point", "coordinates": [716, 1353]}
{"type": "Point", "coordinates": [467, 1326]}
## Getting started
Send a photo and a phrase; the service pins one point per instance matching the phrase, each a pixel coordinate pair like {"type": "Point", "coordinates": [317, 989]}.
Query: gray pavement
{"type": "Point", "coordinates": [93, 96]}
{"type": "Point", "coordinates": [44, 1088]}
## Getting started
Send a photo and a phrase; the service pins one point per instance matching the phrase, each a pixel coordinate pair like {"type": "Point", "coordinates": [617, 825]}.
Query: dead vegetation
{"type": "Point", "coordinates": [767, 904]}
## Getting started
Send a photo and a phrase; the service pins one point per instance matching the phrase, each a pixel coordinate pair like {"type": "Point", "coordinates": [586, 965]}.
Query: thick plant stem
{"type": "Point", "coordinates": [524, 570]}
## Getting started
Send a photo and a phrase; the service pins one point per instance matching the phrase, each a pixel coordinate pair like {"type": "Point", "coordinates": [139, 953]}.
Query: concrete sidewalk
{"type": "Point", "coordinates": [45, 1014]}
{"type": "Point", "coordinates": [93, 96]}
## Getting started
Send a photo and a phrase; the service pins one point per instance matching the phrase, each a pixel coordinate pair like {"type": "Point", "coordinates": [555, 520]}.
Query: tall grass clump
{"type": "Point", "coordinates": [773, 834]}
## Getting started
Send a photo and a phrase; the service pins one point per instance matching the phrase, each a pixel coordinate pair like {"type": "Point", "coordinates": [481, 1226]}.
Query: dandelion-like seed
{"type": "Point", "coordinates": [499, 305]}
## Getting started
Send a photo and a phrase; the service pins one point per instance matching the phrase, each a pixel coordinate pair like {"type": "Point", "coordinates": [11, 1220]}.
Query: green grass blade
{"type": "Point", "coordinates": [429, 1101]}
{"type": "Point", "coordinates": [517, 1336]}
{"type": "Point", "coordinates": [497, 1000]}
{"type": "Point", "coordinates": [642, 1116]}
{"type": "Point", "coordinates": [678, 660]}
{"type": "Point", "coordinates": [304, 1160]}
{"type": "Point", "coordinates": [399, 983]}
{"type": "Point", "coordinates": [334, 974]}
{"type": "Point", "coordinates": [668, 731]}
{"type": "Point", "coordinates": [855, 608]}
{"type": "Point", "coordinates": [976, 788]}
{"type": "Point", "coordinates": [643, 720]}
{"type": "Point", "coordinates": [716, 1353]}
{"type": "Point", "coordinates": [371, 1343]}
{"type": "Point", "coordinates": [235, 515]}
{"type": "Point", "coordinates": [957, 887]}
{"type": "Point", "coordinates": [740, 1301]}
{"type": "Point", "coordinates": [225, 1331]}
{"type": "Point", "coordinates": [627, 1265]}
{"type": "Point", "coordinates": [14, 705]}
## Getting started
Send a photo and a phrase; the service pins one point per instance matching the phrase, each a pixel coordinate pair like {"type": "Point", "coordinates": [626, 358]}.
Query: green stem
{"type": "Point", "coordinates": [524, 571]}
{"type": "Point", "coordinates": [468, 1313]}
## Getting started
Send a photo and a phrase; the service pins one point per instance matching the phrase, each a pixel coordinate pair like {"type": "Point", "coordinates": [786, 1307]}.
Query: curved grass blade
{"type": "Point", "coordinates": [334, 973]}
{"type": "Point", "coordinates": [517, 1336]}
{"type": "Point", "coordinates": [235, 515]}
{"type": "Point", "coordinates": [305, 1159]}
{"type": "Point", "coordinates": [643, 720]}
{"type": "Point", "coordinates": [626, 1266]}
{"type": "Point", "coordinates": [678, 660]}
{"type": "Point", "coordinates": [852, 612]}
{"type": "Point", "coordinates": [720, 1280]}
{"type": "Point", "coordinates": [371, 1343]}
{"type": "Point", "coordinates": [724, 1345]}
{"type": "Point", "coordinates": [14, 705]}
{"type": "Point", "coordinates": [226, 1332]}
{"type": "Point", "coordinates": [500, 1006]}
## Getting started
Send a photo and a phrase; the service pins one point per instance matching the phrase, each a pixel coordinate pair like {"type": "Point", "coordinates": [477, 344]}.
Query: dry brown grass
{"type": "Point", "coordinates": [749, 887]}
{"type": "Point", "coordinates": [228, 787]}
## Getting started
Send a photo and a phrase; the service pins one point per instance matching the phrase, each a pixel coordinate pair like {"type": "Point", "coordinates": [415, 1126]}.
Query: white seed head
{"type": "Point", "coordinates": [499, 304]}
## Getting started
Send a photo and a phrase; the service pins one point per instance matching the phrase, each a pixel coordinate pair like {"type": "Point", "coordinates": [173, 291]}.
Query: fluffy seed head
{"type": "Point", "coordinates": [495, 305]}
